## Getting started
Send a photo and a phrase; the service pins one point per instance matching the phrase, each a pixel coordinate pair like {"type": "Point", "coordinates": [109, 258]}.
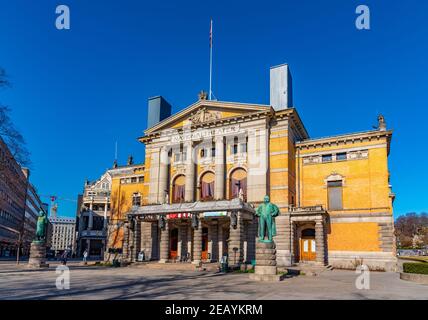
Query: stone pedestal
{"type": "Point", "coordinates": [38, 255]}
{"type": "Point", "coordinates": [266, 269]}
{"type": "Point", "coordinates": [283, 241]}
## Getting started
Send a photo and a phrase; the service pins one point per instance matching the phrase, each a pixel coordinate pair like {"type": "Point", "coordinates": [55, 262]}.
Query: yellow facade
{"type": "Point", "coordinates": [299, 170]}
{"type": "Point", "coordinates": [123, 189]}
{"type": "Point", "coordinates": [365, 192]}
{"type": "Point", "coordinates": [366, 187]}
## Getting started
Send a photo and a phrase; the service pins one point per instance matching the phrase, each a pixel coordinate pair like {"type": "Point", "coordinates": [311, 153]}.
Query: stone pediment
{"type": "Point", "coordinates": [205, 111]}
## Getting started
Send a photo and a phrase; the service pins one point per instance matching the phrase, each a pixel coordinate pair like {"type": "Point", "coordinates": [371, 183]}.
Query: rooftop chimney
{"type": "Point", "coordinates": [159, 109]}
{"type": "Point", "coordinates": [281, 89]}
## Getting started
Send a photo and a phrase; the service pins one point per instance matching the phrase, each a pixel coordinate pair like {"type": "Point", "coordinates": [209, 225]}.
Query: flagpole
{"type": "Point", "coordinates": [211, 59]}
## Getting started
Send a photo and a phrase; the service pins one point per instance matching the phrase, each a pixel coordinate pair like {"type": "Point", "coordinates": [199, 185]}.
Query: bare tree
{"type": "Point", "coordinates": [8, 132]}
{"type": "Point", "coordinates": [410, 225]}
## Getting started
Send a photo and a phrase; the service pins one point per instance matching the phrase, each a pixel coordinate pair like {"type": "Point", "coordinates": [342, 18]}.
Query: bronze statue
{"type": "Point", "coordinates": [267, 212]}
{"type": "Point", "coordinates": [42, 223]}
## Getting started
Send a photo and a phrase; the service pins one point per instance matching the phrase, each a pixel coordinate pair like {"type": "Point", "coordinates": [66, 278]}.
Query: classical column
{"type": "Point", "coordinates": [189, 194]}
{"type": "Point", "coordinates": [182, 241]}
{"type": "Point", "coordinates": [137, 240]}
{"type": "Point", "coordinates": [91, 219]}
{"type": "Point", "coordinates": [189, 241]}
{"type": "Point", "coordinates": [320, 242]}
{"type": "Point", "coordinates": [213, 240]}
{"type": "Point", "coordinates": [236, 242]}
{"type": "Point", "coordinates": [220, 241]}
{"type": "Point", "coordinates": [154, 175]}
{"type": "Point", "coordinates": [88, 246]}
{"type": "Point", "coordinates": [219, 168]}
{"type": "Point", "coordinates": [163, 175]}
{"type": "Point", "coordinates": [105, 215]}
{"type": "Point", "coordinates": [197, 244]}
{"type": "Point", "coordinates": [147, 239]}
{"type": "Point", "coordinates": [258, 156]}
{"type": "Point", "coordinates": [126, 244]}
{"type": "Point", "coordinates": [164, 244]}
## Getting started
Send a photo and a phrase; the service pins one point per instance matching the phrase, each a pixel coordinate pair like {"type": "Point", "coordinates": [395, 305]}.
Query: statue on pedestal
{"type": "Point", "coordinates": [38, 246]}
{"type": "Point", "coordinates": [41, 230]}
{"type": "Point", "coordinates": [267, 212]}
{"type": "Point", "coordinates": [266, 269]}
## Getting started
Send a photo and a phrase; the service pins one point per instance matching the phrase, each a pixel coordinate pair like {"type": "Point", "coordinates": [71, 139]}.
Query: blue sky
{"type": "Point", "coordinates": [76, 92]}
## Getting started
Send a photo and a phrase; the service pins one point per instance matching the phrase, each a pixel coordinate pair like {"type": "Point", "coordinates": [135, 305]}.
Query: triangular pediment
{"type": "Point", "coordinates": [205, 111]}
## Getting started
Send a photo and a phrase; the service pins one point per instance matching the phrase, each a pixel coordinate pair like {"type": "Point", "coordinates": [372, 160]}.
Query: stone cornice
{"type": "Point", "coordinates": [346, 138]}
{"type": "Point", "coordinates": [293, 115]}
{"type": "Point", "coordinates": [193, 207]}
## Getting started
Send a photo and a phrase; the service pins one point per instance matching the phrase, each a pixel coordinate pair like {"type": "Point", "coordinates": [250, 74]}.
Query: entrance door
{"type": "Point", "coordinates": [308, 245]}
{"type": "Point", "coordinates": [204, 243]}
{"type": "Point", "coordinates": [173, 248]}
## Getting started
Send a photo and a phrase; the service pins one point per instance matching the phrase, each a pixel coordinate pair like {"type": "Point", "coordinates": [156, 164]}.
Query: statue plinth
{"type": "Point", "coordinates": [266, 269]}
{"type": "Point", "coordinates": [38, 255]}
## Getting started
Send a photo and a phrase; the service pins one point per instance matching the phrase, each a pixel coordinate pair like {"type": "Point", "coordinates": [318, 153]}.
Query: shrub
{"type": "Point", "coordinates": [419, 268]}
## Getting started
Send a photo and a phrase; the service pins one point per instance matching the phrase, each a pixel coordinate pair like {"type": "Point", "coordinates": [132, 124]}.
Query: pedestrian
{"type": "Point", "coordinates": [85, 256]}
{"type": "Point", "coordinates": [64, 257]}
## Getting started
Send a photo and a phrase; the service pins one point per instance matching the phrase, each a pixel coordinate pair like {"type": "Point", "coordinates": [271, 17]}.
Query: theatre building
{"type": "Point", "coordinates": [209, 166]}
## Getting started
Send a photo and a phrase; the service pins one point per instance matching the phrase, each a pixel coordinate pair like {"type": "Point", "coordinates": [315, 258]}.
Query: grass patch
{"type": "Point", "coordinates": [100, 264]}
{"type": "Point", "coordinates": [419, 259]}
{"type": "Point", "coordinates": [418, 268]}
{"type": "Point", "coordinates": [244, 271]}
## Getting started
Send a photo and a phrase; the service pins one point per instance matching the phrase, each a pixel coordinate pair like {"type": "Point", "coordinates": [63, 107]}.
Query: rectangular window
{"type": "Point", "coordinates": [133, 180]}
{"type": "Point", "coordinates": [203, 153]}
{"type": "Point", "coordinates": [213, 152]}
{"type": "Point", "coordinates": [341, 156]}
{"type": "Point", "coordinates": [243, 147]}
{"type": "Point", "coordinates": [136, 200]}
{"type": "Point", "coordinates": [326, 158]}
{"type": "Point", "coordinates": [335, 201]}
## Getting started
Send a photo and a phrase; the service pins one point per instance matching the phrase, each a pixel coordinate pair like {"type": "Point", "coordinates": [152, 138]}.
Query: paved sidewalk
{"type": "Point", "coordinates": [90, 282]}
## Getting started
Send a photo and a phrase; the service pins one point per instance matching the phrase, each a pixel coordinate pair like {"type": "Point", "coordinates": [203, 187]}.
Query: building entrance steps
{"type": "Point", "coordinates": [309, 269]}
{"type": "Point", "coordinates": [177, 266]}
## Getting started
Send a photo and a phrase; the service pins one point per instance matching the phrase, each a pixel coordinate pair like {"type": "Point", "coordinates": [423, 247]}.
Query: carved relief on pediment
{"type": "Point", "coordinates": [203, 115]}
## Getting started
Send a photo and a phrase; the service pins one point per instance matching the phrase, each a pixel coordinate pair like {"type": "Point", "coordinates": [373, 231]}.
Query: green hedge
{"type": "Point", "coordinates": [420, 268]}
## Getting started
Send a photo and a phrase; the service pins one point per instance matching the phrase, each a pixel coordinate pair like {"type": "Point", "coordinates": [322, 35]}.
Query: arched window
{"type": "Point", "coordinates": [238, 181]}
{"type": "Point", "coordinates": [178, 189]}
{"type": "Point", "coordinates": [207, 186]}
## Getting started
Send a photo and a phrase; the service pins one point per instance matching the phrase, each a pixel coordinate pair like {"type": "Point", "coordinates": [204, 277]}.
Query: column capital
{"type": "Point", "coordinates": [219, 139]}
{"type": "Point", "coordinates": [319, 223]}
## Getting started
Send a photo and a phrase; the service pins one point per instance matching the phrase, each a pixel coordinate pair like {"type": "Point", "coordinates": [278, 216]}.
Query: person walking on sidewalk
{"type": "Point", "coordinates": [85, 256]}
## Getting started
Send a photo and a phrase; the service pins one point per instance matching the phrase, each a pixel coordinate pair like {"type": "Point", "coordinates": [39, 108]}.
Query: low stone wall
{"type": "Point", "coordinates": [418, 278]}
{"type": "Point", "coordinates": [376, 261]}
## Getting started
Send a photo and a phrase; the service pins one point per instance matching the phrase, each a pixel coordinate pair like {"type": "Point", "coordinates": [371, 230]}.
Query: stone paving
{"type": "Point", "coordinates": [91, 282]}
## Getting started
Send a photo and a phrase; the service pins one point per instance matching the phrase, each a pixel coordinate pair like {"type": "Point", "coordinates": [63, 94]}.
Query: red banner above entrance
{"type": "Point", "coordinates": [178, 215]}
